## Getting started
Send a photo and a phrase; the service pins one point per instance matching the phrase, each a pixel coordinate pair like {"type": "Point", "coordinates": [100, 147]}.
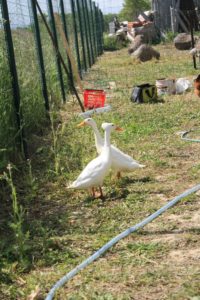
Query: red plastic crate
{"type": "Point", "coordinates": [94, 98]}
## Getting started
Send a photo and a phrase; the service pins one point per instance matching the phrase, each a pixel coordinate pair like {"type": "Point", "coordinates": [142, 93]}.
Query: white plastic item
{"type": "Point", "coordinates": [165, 86]}
{"type": "Point", "coordinates": [99, 110]}
{"type": "Point", "coordinates": [182, 85]}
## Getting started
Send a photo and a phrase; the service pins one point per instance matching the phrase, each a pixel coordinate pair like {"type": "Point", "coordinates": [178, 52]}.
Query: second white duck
{"type": "Point", "coordinates": [120, 162]}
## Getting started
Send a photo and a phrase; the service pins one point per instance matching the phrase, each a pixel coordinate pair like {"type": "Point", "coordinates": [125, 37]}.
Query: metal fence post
{"type": "Point", "coordinates": [89, 31]}
{"type": "Point", "coordinates": [13, 72]}
{"type": "Point", "coordinates": [93, 29]}
{"type": "Point", "coordinates": [102, 29]}
{"type": "Point", "coordinates": [40, 54]}
{"type": "Point", "coordinates": [97, 29]}
{"type": "Point", "coordinates": [81, 24]}
{"type": "Point", "coordinates": [53, 28]}
{"type": "Point", "coordinates": [62, 10]}
{"type": "Point", "coordinates": [100, 46]}
{"type": "Point", "coordinates": [76, 36]}
{"type": "Point", "coordinates": [86, 33]}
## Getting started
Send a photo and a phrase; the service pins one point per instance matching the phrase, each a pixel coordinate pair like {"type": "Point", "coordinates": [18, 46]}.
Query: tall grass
{"type": "Point", "coordinates": [16, 223]}
{"type": "Point", "coordinates": [7, 116]}
{"type": "Point", "coordinates": [32, 102]}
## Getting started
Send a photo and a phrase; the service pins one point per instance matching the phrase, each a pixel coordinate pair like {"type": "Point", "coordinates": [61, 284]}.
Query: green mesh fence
{"type": "Point", "coordinates": [27, 65]}
{"type": "Point", "coordinates": [32, 77]}
{"type": "Point", "coordinates": [8, 128]}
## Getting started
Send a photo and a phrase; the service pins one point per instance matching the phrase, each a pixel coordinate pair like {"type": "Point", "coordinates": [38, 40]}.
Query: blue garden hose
{"type": "Point", "coordinates": [183, 137]}
{"type": "Point", "coordinates": [112, 242]}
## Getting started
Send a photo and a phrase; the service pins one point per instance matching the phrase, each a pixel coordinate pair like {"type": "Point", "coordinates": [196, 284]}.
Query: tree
{"type": "Point", "coordinates": [131, 8]}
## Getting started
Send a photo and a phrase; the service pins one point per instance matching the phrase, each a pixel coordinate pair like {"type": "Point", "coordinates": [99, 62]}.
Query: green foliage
{"type": "Point", "coordinates": [112, 43]}
{"type": "Point", "coordinates": [169, 36]}
{"type": "Point", "coordinates": [132, 8]}
{"type": "Point", "coordinates": [57, 130]}
{"type": "Point", "coordinates": [30, 86]}
{"type": "Point", "coordinates": [107, 19]}
{"type": "Point", "coordinates": [7, 119]}
{"type": "Point", "coordinates": [21, 237]}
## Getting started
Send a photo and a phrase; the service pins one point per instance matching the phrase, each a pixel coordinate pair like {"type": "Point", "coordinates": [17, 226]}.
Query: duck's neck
{"type": "Point", "coordinates": [98, 137]}
{"type": "Point", "coordinates": [107, 139]}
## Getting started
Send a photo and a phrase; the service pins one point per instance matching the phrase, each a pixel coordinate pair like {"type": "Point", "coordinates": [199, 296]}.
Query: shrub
{"type": "Point", "coordinates": [112, 43]}
{"type": "Point", "coordinates": [169, 36]}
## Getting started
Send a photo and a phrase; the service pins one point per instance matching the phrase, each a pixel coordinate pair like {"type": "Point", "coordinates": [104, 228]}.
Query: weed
{"type": "Point", "coordinates": [55, 145]}
{"type": "Point", "coordinates": [169, 36]}
{"type": "Point", "coordinates": [18, 217]}
{"type": "Point", "coordinates": [31, 183]}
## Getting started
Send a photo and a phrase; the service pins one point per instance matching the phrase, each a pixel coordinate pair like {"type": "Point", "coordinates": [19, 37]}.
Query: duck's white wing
{"type": "Point", "coordinates": [118, 154]}
{"type": "Point", "coordinates": [92, 174]}
{"type": "Point", "coordinates": [92, 169]}
{"type": "Point", "coordinates": [123, 161]}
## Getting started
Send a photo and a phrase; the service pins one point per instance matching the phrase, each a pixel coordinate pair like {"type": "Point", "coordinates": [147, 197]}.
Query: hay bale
{"type": "Point", "coordinates": [183, 41]}
{"type": "Point", "coordinates": [145, 53]}
{"type": "Point", "coordinates": [138, 41]}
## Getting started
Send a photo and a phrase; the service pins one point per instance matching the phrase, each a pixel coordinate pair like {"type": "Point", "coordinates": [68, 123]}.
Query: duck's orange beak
{"type": "Point", "coordinates": [81, 124]}
{"type": "Point", "coordinates": [119, 128]}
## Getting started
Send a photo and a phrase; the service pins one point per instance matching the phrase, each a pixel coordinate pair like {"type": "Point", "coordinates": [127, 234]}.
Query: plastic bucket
{"type": "Point", "coordinates": [94, 98]}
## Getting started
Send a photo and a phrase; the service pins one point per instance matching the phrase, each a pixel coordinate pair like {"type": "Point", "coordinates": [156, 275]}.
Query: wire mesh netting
{"type": "Point", "coordinates": [7, 131]}
{"type": "Point", "coordinates": [26, 63]}
{"type": "Point", "coordinates": [33, 76]}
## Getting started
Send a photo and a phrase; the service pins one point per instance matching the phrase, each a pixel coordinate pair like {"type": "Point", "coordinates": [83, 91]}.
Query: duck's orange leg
{"type": "Point", "coordinates": [93, 192]}
{"type": "Point", "coordinates": [101, 193]}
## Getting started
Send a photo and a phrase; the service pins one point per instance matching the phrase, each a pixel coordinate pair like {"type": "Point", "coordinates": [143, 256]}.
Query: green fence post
{"type": "Point", "coordinates": [62, 10]}
{"type": "Point", "coordinates": [76, 36]}
{"type": "Point", "coordinates": [89, 31]}
{"type": "Point", "coordinates": [86, 33]}
{"type": "Point", "coordinates": [53, 29]}
{"type": "Point", "coordinates": [13, 72]}
{"type": "Point", "coordinates": [81, 24]}
{"type": "Point", "coordinates": [95, 28]}
{"type": "Point", "coordinates": [40, 54]}
{"type": "Point", "coordinates": [102, 29]}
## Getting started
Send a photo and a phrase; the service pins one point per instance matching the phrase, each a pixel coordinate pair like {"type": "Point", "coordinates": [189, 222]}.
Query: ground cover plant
{"type": "Point", "coordinates": [63, 227]}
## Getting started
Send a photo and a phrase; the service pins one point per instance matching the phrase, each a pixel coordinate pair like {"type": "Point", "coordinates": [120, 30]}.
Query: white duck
{"type": "Point", "coordinates": [95, 172]}
{"type": "Point", "coordinates": [121, 162]}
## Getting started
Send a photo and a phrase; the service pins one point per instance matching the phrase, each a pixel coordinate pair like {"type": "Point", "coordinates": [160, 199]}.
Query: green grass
{"type": "Point", "coordinates": [66, 226]}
